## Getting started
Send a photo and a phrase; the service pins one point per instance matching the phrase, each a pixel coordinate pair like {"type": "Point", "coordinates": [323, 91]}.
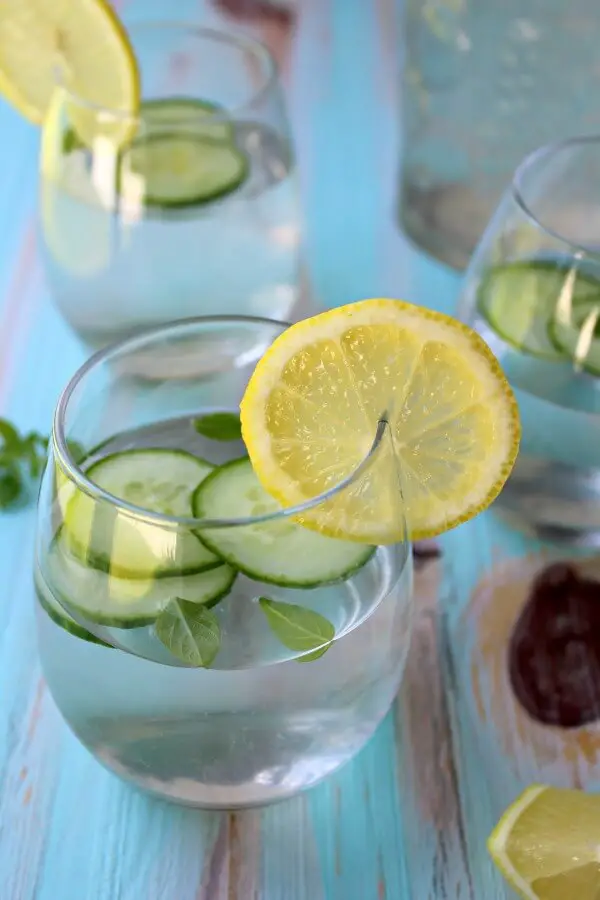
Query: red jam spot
{"type": "Point", "coordinates": [554, 651]}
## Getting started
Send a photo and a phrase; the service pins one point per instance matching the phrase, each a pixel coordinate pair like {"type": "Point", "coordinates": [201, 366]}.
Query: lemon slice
{"type": "Point", "coordinates": [311, 408]}
{"type": "Point", "coordinates": [547, 844]}
{"type": "Point", "coordinates": [83, 45]}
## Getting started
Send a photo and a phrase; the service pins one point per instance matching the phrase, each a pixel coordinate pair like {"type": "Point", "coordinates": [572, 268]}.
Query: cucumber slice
{"type": "Point", "coordinates": [519, 301]}
{"type": "Point", "coordinates": [62, 618]}
{"type": "Point", "coordinates": [173, 114]}
{"type": "Point", "coordinates": [180, 170]}
{"type": "Point", "coordinates": [183, 114]}
{"type": "Point", "coordinates": [106, 599]}
{"type": "Point", "coordinates": [577, 335]}
{"type": "Point", "coordinates": [278, 552]}
{"type": "Point", "coordinates": [103, 537]}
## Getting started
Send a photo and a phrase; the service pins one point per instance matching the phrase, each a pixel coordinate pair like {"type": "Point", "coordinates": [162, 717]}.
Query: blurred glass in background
{"type": "Point", "coordinates": [485, 82]}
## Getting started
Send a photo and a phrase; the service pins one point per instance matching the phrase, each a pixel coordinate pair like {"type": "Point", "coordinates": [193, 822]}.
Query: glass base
{"type": "Point", "coordinates": [179, 765]}
{"type": "Point", "coordinates": [553, 502]}
{"type": "Point", "coordinates": [444, 220]}
{"type": "Point", "coordinates": [194, 794]}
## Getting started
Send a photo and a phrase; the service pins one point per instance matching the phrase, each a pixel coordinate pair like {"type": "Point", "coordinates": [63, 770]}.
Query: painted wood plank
{"type": "Point", "coordinates": [433, 837]}
{"type": "Point", "coordinates": [499, 749]}
{"type": "Point", "coordinates": [70, 830]}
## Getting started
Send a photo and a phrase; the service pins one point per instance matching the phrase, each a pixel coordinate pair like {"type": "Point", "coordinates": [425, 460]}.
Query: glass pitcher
{"type": "Point", "coordinates": [485, 82]}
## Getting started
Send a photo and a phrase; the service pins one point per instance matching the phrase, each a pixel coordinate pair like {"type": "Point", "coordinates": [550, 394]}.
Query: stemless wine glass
{"type": "Point", "coordinates": [198, 641]}
{"type": "Point", "coordinates": [533, 292]}
{"type": "Point", "coordinates": [188, 208]}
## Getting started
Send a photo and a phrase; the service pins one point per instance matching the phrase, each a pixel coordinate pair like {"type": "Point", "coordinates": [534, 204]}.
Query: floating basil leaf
{"type": "Point", "coordinates": [189, 631]}
{"type": "Point", "coordinates": [220, 426]}
{"type": "Point", "coordinates": [298, 628]}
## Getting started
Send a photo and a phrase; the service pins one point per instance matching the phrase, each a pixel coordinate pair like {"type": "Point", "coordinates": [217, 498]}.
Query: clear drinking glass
{"type": "Point", "coordinates": [125, 577]}
{"type": "Point", "coordinates": [533, 292]}
{"type": "Point", "coordinates": [195, 213]}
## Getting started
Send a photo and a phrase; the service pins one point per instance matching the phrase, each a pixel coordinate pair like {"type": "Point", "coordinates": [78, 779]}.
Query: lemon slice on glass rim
{"type": "Point", "coordinates": [81, 44]}
{"type": "Point", "coordinates": [313, 403]}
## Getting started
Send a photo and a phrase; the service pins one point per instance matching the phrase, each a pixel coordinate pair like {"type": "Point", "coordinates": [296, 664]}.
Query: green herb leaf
{"type": "Point", "coordinates": [189, 631]}
{"type": "Point", "coordinates": [315, 655]}
{"type": "Point", "coordinates": [11, 482]}
{"type": "Point", "coordinates": [220, 426]}
{"type": "Point", "coordinates": [298, 628]}
{"type": "Point", "coordinates": [9, 435]}
{"type": "Point", "coordinates": [34, 449]}
{"type": "Point", "coordinates": [70, 141]}
{"type": "Point", "coordinates": [77, 452]}
{"type": "Point", "coordinates": [18, 454]}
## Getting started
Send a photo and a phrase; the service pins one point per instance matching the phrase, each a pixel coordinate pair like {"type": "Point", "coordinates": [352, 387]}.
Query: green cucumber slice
{"type": "Point", "coordinates": [576, 335]}
{"type": "Point", "coordinates": [180, 170]}
{"type": "Point", "coordinates": [519, 301]}
{"type": "Point", "coordinates": [184, 114]}
{"type": "Point", "coordinates": [277, 552]}
{"type": "Point", "coordinates": [102, 536]}
{"type": "Point", "coordinates": [62, 618]}
{"type": "Point", "coordinates": [173, 114]}
{"type": "Point", "coordinates": [106, 599]}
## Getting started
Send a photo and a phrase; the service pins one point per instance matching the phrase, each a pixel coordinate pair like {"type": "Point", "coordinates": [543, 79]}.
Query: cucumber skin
{"type": "Point", "coordinates": [141, 621]}
{"type": "Point", "coordinates": [200, 199]}
{"type": "Point", "coordinates": [254, 574]}
{"type": "Point", "coordinates": [587, 366]}
{"type": "Point", "coordinates": [72, 142]}
{"type": "Point", "coordinates": [558, 353]}
{"type": "Point", "coordinates": [158, 103]}
{"type": "Point", "coordinates": [131, 620]}
{"type": "Point", "coordinates": [179, 100]}
{"type": "Point", "coordinates": [73, 628]}
{"type": "Point", "coordinates": [101, 561]}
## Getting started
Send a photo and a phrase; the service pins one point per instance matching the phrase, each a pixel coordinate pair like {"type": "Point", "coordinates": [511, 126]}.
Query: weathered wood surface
{"type": "Point", "coordinates": [407, 818]}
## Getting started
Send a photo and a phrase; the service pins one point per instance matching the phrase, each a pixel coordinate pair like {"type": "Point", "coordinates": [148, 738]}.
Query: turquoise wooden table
{"type": "Point", "coordinates": [407, 819]}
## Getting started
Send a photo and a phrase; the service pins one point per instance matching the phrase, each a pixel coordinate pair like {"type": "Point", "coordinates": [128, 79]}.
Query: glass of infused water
{"type": "Point", "coordinates": [223, 563]}
{"type": "Point", "coordinates": [532, 291]}
{"type": "Point", "coordinates": [200, 640]}
{"type": "Point", "coordinates": [186, 206]}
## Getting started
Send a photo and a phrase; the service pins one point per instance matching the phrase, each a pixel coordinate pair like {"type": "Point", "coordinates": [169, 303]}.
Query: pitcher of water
{"type": "Point", "coordinates": [484, 83]}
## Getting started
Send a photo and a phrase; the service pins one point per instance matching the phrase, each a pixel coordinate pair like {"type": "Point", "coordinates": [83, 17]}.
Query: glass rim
{"type": "Point", "coordinates": [231, 38]}
{"type": "Point", "coordinates": [530, 162]}
{"type": "Point", "coordinates": [76, 475]}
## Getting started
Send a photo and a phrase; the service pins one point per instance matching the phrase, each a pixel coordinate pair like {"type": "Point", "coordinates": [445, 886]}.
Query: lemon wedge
{"type": "Point", "coordinates": [77, 43]}
{"type": "Point", "coordinates": [313, 403]}
{"type": "Point", "coordinates": [547, 846]}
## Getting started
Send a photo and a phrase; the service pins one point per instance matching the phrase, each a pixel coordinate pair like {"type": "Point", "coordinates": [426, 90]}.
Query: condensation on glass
{"type": "Point", "coordinates": [484, 83]}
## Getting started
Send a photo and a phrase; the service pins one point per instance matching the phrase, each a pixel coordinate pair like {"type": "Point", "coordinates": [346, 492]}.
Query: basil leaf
{"type": "Point", "coordinates": [189, 631]}
{"type": "Point", "coordinates": [9, 435]}
{"type": "Point", "coordinates": [35, 448]}
{"type": "Point", "coordinates": [298, 628]}
{"type": "Point", "coordinates": [220, 426]}
{"type": "Point", "coordinates": [77, 452]}
{"type": "Point", "coordinates": [316, 654]}
{"type": "Point", "coordinates": [71, 141]}
{"type": "Point", "coordinates": [21, 456]}
{"type": "Point", "coordinates": [11, 483]}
